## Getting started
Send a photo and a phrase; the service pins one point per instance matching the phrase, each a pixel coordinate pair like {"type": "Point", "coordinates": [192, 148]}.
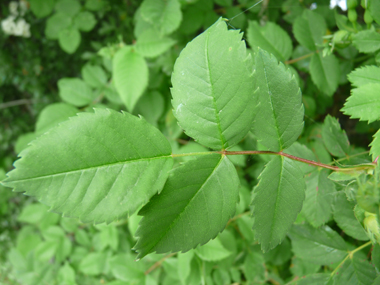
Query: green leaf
{"type": "Point", "coordinates": [124, 267]}
{"type": "Point", "coordinates": [94, 75]}
{"type": "Point", "coordinates": [364, 103]}
{"type": "Point", "coordinates": [68, 7]}
{"type": "Point", "coordinates": [151, 106]}
{"type": "Point", "coordinates": [195, 205]}
{"type": "Point", "coordinates": [314, 279]}
{"type": "Point", "coordinates": [93, 263]}
{"type": "Point", "coordinates": [325, 73]}
{"type": "Point", "coordinates": [151, 44]}
{"type": "Point", "coordinates": [55, 24]}
{"type": "Point", "coordinates": [367, 41]}
{"type": "Point", "coordinates": [66, 274]}
{"type": "Point", "coordinates": [75, 91]}
{"type": "Point", "coordinates": [69, 40]}
{"type": "Point", "coordinates": [309, 29]}
{"type": "Point", "coordinates": [109, 160]}
{"type": "Point", "coordinates": [41, 8]}
{"type": "Point", "coordinates": [374, 8]}
{"type": "Point", "coordinates": [85, 21]}
{"type": "Point", "coordinates": [335, 139]}
{"type": "Point", "coordinates": [254, 267]}
{"type": "Point", "coordinates": [212, 251]}
{"type": "Point", "coordinates": [184, 265]}
{"type": "Point", "coordinates": [365, 75]}
{"type": "Point", "coordinates": [355, 271]}
{"type": "Point", "coordinates": [320, 246]}
{"type": "Point", "coordinates": [213, 96]}
{"type": "Point", "coordinates": [165, 15]}
{"type": "Point", "coordinates": [271, 38]}
{"type": "Point", "coordinates": [317, 207]}
{"type": "Point", "coordinates": [375, 145]}
{"type": "Point", "coordinates": [130, 74]}
{"type": "Point", "coordinates": [54, 114]}
{"type": "Point", "coordinates": [277, 200]}
{"type": "Point", "coordinates": [375, 256]}
{"type": "Point", "coordinates": [345, 217]}
{"type": "Point", "coordinates": [95, 5]}
{"type": "Point", "coordinates": [279, 118]}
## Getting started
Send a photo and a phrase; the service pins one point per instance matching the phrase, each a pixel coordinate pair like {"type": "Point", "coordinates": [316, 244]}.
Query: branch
{"type": "Point", "coordinates": [16, 103]}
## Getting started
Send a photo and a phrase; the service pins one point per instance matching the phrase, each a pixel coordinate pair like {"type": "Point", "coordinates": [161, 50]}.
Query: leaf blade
{"type": "Point", "coordinates": [101, 166]}
{"type": "Point", "coordinates": [200, 192]}
{"type": "Point", "coordinates": [130, 74]}
{"type": "Point", "coordinates": [279, 118]}
{"type": "Point", "coordinates": [207, 105]}
{"type": "Point", "coordinates": [277, 200]}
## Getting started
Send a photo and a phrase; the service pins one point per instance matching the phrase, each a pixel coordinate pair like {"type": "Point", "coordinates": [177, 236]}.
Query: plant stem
{"type": "Point", "coordinates": [158, 263]}
{"type": "Point", "coordinates": [255, 152]}
{"type": "Point", "coordinates": [16, 103]}
{"type": "Point", "coordinates": [300, 58]}
{"type": "Point", "coordinates": [350, 255]}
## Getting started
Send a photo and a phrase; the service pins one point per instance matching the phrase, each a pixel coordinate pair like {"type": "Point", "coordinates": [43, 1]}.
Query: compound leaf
{"type": "Point", "coordinates": [279, 118]}
{"type": "Point", "coordinates": [97, 167]}
{"type": "Point", "coordinates": [213, 90]}
{"type": "Point", "coordinates": [130, 74]}
{"type": "Point", "coordinates": [364, 103]}
{"type": "Point", "coordinates": [335, 139]}
{"type": "Point", "coordinates": [94, 75]}
{"type": "Point", "coordinates": [309, 29]}
{"type": "Point", "coordinates": [165, 15]}
{"type": "Point", "coordinates": [196, 203]}
{"type": "Point", "coordinates": [277, 200]}
{"type": "Point", "coordinates": [319, 197]}
{"type": "Point", "coordinates": [325, 72]}
{"type": "Point", "coordinates": [320, 246]}
{"type": "Point", "coordinates": [365, 75]}
{"type": "Point", "coordinates": [271, 38]}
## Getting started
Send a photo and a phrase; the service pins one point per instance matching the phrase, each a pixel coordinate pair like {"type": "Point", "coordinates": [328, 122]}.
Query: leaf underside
{"type": "Point", "coordinates": [196, 203]}
{"type": "Point", "coordinates": [213, 91]}
{"type": "Point", "coordinates": [95, 167]}
{"type": "Point", "coordinates": [277, 200]}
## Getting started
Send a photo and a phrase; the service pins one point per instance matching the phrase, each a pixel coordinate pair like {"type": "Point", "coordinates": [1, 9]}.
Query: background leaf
{"type": "Point", "coordinates": [54, 114]}
{"type": "Point", "coordinates": [320, 191]}
{"type": "Point", "coordinates": [151, 44]}
{"type": "Point", "coordinates": [109, 161]}
{"type": "Point", "coordinates": [345, 217]}
{"type": "Point", "coordinates": [75, 91]}
{"type": "Point", "coordinates": [69, 39]}
{"type": "Point", "coordinates": [277, 200]}
{"type": "Point", "coordinates": [309, 29]}
{"type": "Point", "coordinates": [212, 251]}
{"type": "Point", "coordinates": [85, 21]}
{"type": "Point", "coordinates": [325, 73]}
{"type": "Point", "coordinates": [55, 24]}
{"type": "Point", "coordinates": [320, 246]}
{"type": "Point", "coordinates": [130, 74]}
{"type": "Point", "coordinates": [279, 118]}
{"type": "Point", "coordinates": [213, 99]}
{"type": "Point", "coordinates": [366, 41]}
{"type": "Point", "coordinates": [335, 139]}
{"type": "Point", "coordinates": [94, 75]}
{"type": "Point", "coordinates": [201, 192]}
{"type": "Point", "coordinates": [41, 8]}
{"type": "Point", "coordinates": [354, 271]}
{"type": "Point", "coordinates": [271, 38]}
{"type": "Point", "coordinates": [166, 15]}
